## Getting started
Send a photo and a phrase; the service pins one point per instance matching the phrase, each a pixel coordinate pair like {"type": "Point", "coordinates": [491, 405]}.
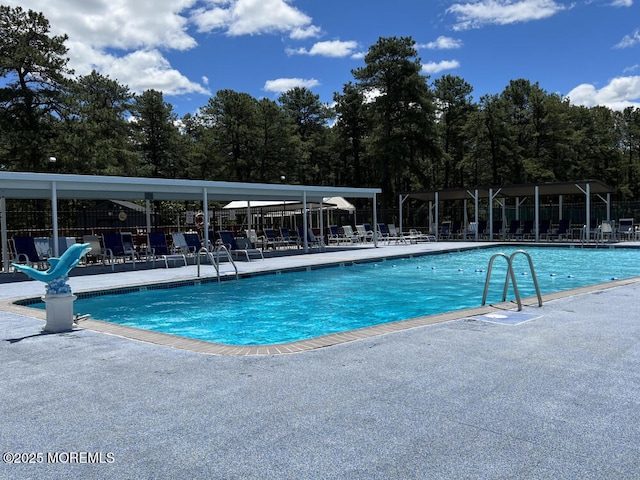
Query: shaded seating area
{"type": "Point", "coordinates": [570, 199]}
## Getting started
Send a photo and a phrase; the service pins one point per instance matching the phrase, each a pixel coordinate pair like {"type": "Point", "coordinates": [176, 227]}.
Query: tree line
{"type": "Point", "coordinates": [390, 127]}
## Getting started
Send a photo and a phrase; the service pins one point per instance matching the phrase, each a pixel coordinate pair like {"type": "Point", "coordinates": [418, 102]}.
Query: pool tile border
{"type": "Point", "coordinates": [210, 348]}
{"type": "Point", "coordinates": [20, 306]}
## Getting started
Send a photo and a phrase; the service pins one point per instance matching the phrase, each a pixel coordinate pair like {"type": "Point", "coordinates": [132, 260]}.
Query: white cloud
{"type": "Point", "coordinates": [437, 67]}
{"type": "Point", "coordinates": [621, 92]}
{"type": "Point", "coordinates": [622, 3]}
{"type": "Point", "coordinates": [281, 85]}
{"type": "Point", "coordinates": [501, 12]}
{"type": "Point", "coordinates": [252, 17]}
{"type": "Point", "coordinates": [442, 43]}
{"type": "Point", "coordinates": [629, 40]}
{"type": "Point", "coordinates": [333, 48]}
{"type": "Point", "coordinates": [123, 39]}
{"type": "Point", "coordinates": [152, 71]}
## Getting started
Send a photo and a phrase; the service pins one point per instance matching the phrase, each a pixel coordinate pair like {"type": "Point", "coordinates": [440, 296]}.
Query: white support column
{"type": "Point", "coordinates": [430, 216]}
{"type": "Point", "coordinates": [5, 239]}
{"type": "Point", "coordinates": [400, 211]}
{"type": "Point", "coordinates": [205, 211]}
{"type": "Point", "coordinates": [491, 214]}
{"type": "Point", "coordinates": [305, 223]}
{"type": "Point", "coordinates": [54, 215]}
{"type": "Point", "coordinates": [476, 197]}
{"type": "Point", "coordinates": [375, 222]}
{"type": "Point", "coordinates": [588, 213]}
{"type": "Point", "coordinates": [536, 213]}
{"type": "Point", "coordinates": [148, 212]}
{"type": "Point", "coordinates": [465, 226]}
{"type": "Point", "coordinates": [321, 225]}
{"type": "Point", "coordinates": [560, 207]}
{"type": "Point", "coordinates": [437, 221]}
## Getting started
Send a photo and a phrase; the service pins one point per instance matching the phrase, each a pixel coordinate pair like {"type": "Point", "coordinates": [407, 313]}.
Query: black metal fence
{"type": "Point", "coordinates": [78, 218]}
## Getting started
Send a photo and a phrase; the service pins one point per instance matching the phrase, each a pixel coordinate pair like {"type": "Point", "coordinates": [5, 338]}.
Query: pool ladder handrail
{"type": "Point", "coordinates": [512, 275]}
{"type": "Point", "coordinates": [215, 259]}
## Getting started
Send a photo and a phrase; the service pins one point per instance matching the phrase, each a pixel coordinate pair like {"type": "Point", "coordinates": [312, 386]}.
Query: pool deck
{"type": "Point", "coordinates": [555, 396]}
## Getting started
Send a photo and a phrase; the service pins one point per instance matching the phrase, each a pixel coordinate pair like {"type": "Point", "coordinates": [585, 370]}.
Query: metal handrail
{"type": "Point", "coordinates": [511, 274]}
{"type": "Point", "coordinates": [214, 259]}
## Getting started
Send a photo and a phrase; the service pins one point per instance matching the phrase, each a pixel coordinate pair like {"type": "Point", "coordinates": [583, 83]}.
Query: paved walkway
{"type": "Point", "coordinates": [552, 397]}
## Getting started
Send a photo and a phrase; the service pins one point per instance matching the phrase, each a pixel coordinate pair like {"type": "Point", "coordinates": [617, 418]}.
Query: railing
{"type": "Point", "coordinates": [511, 274]}
{"type": "Point", "coordinates": [214, 259]}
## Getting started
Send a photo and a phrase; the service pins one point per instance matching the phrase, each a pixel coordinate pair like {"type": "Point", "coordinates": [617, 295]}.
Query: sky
{"type": "Point", "coordinates": [586, 50]}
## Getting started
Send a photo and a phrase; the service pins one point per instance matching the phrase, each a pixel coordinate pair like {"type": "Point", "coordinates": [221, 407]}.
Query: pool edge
{"type": "Point", "coordinates": [211, 348]}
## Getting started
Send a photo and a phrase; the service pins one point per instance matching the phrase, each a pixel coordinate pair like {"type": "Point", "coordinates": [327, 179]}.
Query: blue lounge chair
{"type": "Point", "coordinates": [312, 240]}
{"type": "Point", "coordinates": [193, 241]}
{"type": "Point", "coordinates": [229, 240]}
{"type": "Point", "coordinates": [24, 251]}
{"type": "Point", "coordinates": [159, 249]}
{"type": "Point", "coordinates": [271, 239]}
{"type": "Point", "coordinates": [114, 247]}
{"type": "Point", "coordinates": [288, 240]}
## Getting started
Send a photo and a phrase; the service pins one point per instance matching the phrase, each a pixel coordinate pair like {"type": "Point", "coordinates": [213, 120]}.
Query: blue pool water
{"type": "Point", "coordinates": [293, 306]}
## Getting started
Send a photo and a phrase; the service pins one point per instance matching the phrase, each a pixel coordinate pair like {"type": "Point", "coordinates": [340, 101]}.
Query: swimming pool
{"type": "Point", "coordinates": [280, 308]}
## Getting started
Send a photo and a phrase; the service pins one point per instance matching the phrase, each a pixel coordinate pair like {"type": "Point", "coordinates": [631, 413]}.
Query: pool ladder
{"type": "Point", "coordinates": [512, 275]}
{"type": "Point", "coordinates": [214, 258]}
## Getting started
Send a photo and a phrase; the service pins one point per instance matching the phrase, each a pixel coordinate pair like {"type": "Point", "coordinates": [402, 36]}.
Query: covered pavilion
{"type": "Point", "coordinates": [26, 185]}
{"type": "Point", "coordinates": [519, 193]}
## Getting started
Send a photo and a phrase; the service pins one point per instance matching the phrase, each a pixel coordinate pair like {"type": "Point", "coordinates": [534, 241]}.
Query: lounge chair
{"type": "Point", "coordinates": [364, 234]}
{"type": "Point", "coordinates": [334, 235]}
{"type": "Point", "coordinates": [180, 244]}
{"type": "Point", "coordinates": [288, 240]}
{"type": "Point", "coordinates": [257, 241]}
{"type": "Point", "coordinates": [271, 239]}
{"type": "Point", "coordinates": [347, 231]}
{"type": "Point", "coordinates": [496, 230]}
{"type": "Point", "coordinates": [24, 251]}
{"type": "Point", "coordinates": [393, 231]}
{"type": "Point", "coordinates": [159, 249]}
{"type": "Point", "coordinates": [44, 247]}
{"type": "Point", "coordinates": [193, 241]}
{"type": "Point", "coordinates": [229, 240]}
{"type": "Point", "coordinates": [115, 248]}
{"type": "Point", "coordinates": [97, 251]}
{"type": "Point", "coordinates": [385, 235]}
{"type": "Point", "coordinates": [513, 230]}
{"type": "Point", "coordinates": [416, 236]}
{"type": "Point", "coordinates": [544, 229]}
{"type": "Point", "coordinates": [445, 230]}
{"type": "Point", "coordinates": [605, 232]}
{"type": "Point", "coordinates": [625, 229]}
{"type": "Point", "coordinates": [312, 240]}
{"type": "Point", "coordinates": [564, 230]}
{"type": "Point", "coordinates": [526, 231]}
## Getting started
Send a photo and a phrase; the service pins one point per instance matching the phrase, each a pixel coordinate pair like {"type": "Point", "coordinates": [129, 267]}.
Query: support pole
{"type": "Point", "coordinates": [54, 215]}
